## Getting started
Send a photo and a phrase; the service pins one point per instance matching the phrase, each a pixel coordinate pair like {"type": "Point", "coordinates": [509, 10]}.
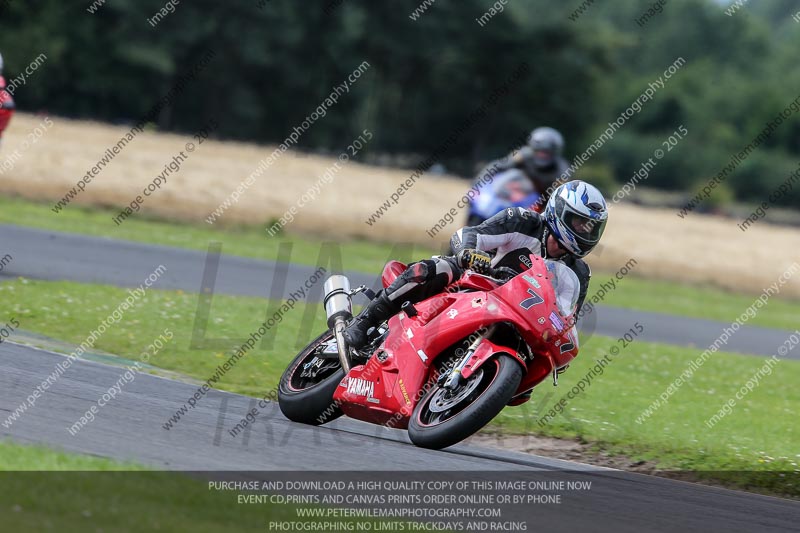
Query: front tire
{"type": "Point", "coordinates": [443, 418]}
{"type": "Point", "coordinates": [306, 396]}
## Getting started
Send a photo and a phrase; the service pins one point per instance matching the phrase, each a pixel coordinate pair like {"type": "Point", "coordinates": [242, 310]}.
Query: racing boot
{"type": "Point", "coordinates": [375, 313]}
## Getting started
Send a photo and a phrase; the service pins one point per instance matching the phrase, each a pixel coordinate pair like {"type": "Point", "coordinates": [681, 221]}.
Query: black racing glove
{"type": "Point", "coordinates": [476, 260]}
{"type": "Point", "coordinates": [503, 273]}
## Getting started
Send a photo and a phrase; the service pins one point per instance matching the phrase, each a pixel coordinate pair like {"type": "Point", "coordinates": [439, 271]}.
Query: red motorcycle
{"type": "Point", "coordinates": [445, 367]}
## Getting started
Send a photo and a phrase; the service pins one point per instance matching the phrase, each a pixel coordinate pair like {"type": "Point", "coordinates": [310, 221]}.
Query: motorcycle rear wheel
{"type": "Point", "coordinates": [443, 418]}
{"type": "Point", "coordinates": [305, 394]}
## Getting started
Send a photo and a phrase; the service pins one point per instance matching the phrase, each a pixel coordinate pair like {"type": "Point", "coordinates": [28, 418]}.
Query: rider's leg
{"type": "Point", "coordinates": [419, 281]}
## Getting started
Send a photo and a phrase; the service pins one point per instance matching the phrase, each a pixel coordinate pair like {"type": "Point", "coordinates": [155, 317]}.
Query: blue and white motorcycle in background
{"type": "Point", "coordinates": [510, 188]}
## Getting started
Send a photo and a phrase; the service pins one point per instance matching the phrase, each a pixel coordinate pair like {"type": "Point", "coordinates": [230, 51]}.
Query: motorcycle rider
{"type": "Point", "coordinates": [6, 102]}
{"type": "Point", "coordinates": [569, 228]}
{"type": "Point", "coordinates": [541, 160]}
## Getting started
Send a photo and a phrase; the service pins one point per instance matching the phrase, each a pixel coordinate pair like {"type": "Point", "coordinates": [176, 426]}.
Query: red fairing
{"type": "Point", "coordinates": [387, 388]}
{"type": "Point", "coordinates": [6, 106]}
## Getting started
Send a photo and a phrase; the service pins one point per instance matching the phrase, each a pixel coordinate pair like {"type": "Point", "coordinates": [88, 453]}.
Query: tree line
{"type": "Point", "coordinates": [275, 61]}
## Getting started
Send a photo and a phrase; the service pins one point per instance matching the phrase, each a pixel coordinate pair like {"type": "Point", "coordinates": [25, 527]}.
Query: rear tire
{"type": "Point", "coordinates": [309, 400]}
{"type": "Point", "coordinates": [438, 422]}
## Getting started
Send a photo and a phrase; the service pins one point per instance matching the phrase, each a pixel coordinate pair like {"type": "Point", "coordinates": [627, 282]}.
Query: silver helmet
{"type": "Point", "coordinates": [547, 145]}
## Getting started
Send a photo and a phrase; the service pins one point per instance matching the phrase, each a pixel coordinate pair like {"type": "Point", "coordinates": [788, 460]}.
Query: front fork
{"type": "Point", "coordinates": [454, 379]}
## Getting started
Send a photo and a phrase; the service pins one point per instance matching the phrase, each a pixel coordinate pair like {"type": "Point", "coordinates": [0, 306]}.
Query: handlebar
{"type": "Point", "coordinates": [502, 274]}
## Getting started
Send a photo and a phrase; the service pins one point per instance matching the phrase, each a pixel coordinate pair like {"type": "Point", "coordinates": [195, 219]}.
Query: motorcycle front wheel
{"type": "Point", "coordinates": [305, 392]}
{"type": "Point", "coordinates": [443, 417]}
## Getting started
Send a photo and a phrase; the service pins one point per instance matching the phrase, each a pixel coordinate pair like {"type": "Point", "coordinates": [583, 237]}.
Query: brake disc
{"type": "Point", "coordinates": [444, 399]}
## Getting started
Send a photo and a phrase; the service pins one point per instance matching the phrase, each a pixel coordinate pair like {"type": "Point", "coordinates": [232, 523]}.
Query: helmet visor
{"type": "Point", "coordinates": [543, 157]}
{"type": "Point", "coordinates": [586, 230]}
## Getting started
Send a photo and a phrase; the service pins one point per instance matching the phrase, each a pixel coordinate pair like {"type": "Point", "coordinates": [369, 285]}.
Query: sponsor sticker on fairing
{"type": "Point", "coordinates": [533, 281]}
{"type": "Point", "coordinates": [331, 348]}
{"type": "Point", "coordinates": [556, 321]}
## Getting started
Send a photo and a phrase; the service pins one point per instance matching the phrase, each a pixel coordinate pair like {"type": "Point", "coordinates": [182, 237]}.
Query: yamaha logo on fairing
{"type": "Point", "coordinates": [360, 387]}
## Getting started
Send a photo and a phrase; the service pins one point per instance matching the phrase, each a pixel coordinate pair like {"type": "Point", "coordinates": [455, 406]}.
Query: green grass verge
{"type": "Point", "coordinates": [70, 311]}
{"type": "Point", "coordinates": [759, 436]}
{"type": "Point", "coordinates": [369, 257]}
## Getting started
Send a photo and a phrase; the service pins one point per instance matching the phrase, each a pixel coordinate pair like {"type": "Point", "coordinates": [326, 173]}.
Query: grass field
{"type": "Point", "coordinates": [759, 436]}
{"type": "Point", "coordinates": [633, 292]}
{"type": "Point", "coordinates": [705, 250]}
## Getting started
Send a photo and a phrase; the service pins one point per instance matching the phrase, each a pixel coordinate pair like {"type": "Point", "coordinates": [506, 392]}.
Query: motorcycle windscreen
{"type": "Point", "coordinates": [566, 286]}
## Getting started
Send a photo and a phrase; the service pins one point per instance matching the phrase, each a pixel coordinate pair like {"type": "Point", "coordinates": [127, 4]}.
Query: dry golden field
{"type": "Point", "coordinates": [699, 249]}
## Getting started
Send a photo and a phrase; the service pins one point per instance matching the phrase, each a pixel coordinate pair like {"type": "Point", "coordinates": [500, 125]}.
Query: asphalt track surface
{"type": "Point", "coordinates": [49, 255]}
{"type": "Point", "coordinates": [130, 428]}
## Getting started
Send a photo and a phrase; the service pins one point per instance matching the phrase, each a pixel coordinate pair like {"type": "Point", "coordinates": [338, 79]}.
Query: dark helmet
{"type": "Point", "coordinates": [547, 145]}
{"type": "Point", "coordinates": [576, 214]}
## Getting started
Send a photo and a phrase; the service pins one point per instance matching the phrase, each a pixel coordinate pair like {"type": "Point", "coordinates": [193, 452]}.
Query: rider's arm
{"type": "Point", "coordinates": [511, 228]}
